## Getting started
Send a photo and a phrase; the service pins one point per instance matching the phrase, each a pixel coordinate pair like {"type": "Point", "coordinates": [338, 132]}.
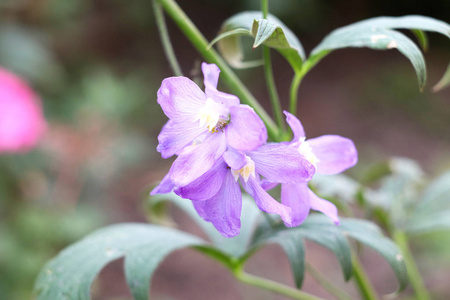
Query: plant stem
{"type": "Point", "coordinates": [294, 92]}
{"type": "Point", "coordinates": [229, 77]}
{"type": "Point", "coordinates": [272, 286]}
{"type": "Point", "coordinates": [413, 272]}
{"type": "Point", "coordinates": [326, 284]}
{"type": "Point", "coordinates": [268, 72]}
{"type": "Point", "coordinates": [365, 287]}
{"type": "Point", "coordinates": [165, 39]}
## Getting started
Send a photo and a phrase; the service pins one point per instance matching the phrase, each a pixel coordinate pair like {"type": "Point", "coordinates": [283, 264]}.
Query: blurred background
{"type": "Point", "coordinates": [97, 66]}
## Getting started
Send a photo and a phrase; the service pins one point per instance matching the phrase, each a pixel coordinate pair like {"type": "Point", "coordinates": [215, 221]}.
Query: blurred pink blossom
{"type": "Point", "coordinates": [22, 122]}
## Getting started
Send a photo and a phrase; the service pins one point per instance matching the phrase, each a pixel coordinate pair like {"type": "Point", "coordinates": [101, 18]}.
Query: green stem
{"type": "Point", "coordinates": [294, 92]}
{"type": "Point", "coordinates": [365, 287]}
{"type": "Point", "coordinates": [272, 286]}
{"type": "Point", "coordinates": [228, 76]}
{"type": "Point", "coordinates": [326, 284]}
{"type": "Point", "coordinates": [413, 272]}
{"type": "Point", "coordinates": [165, 39]}
{"type": "Point", "coordinates": [268, 72]}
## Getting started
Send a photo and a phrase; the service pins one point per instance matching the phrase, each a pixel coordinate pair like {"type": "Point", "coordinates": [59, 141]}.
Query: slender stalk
{"type": "Point", "coordinates": [229, 77]}
{"type": "Point", "coordinates": [365, 287]}
{"type": "Point", "coordinates": [413, 272]}
{"type": "Point", "coordinates": [326, 284]}
{"type": "Point", "coordinates": [294, 92]}
{"type": "Point", "coordinates": [272, 286]}
{"type": "Point", "coordinates": [165, 39]}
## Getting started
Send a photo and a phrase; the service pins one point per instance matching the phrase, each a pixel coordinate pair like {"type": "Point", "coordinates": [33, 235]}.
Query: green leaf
{"type": "Point", "coordinates": [421, 38]}
{"type": "Point", "coordinates": [444, 82]}
{"type": "Point", "coordinates": [370, 235]}
{"type": "Point", "coordinates": [236, 246]}
{"type": "Point", "coordinates": [428, 223]}
{"type": "Point", "coordinates": [71, 273]}
{"type": "Point", "coordinates": [271, 32]}
{"type": "Point", "coordinates": [436, 196]}
{"type": "Point", "coordinates": [276, 35]}
{"type": "Point", "coordinates": [376, 33]}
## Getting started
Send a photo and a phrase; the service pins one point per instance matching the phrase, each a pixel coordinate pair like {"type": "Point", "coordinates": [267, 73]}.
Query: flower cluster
{"type": "Point", "coordinates": [220, 143]}
{"type": "Point", "coordinates": [22, 123]}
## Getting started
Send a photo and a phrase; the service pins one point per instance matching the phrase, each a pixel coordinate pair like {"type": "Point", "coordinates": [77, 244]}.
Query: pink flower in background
{"type": "Point", "coordinates": [22, 122]}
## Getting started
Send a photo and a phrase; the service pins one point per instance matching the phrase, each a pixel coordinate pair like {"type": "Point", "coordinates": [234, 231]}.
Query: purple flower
{"type": "Point", "coordinates": [203, 124]}
{"type": "Point", "coordinates": [217, 196]}
{"type": "Point", "coordinates": [330, 154]}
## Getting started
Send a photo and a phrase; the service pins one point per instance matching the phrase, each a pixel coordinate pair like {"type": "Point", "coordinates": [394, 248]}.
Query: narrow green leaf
{"type": "Point", "coordinates": [370, 235]}
{"type": "Point", "coordinates": [444, 82]}
{"type": "Point", "coordinates": [280, 38]}
{"type": "Point", "coordinates": [428, 223]}
{"type": "Point", "coordinates": [71, 273]}
{"type": "Point", "coordinates": [436, 196]}
{"type": "Point", "coordinates": [422, 38]}
{"type": "Point", "coordinates": [236, 246]}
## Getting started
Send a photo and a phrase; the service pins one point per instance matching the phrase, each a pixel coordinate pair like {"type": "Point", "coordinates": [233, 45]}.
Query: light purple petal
{"type": "Point", "coordinates": [324, 206]}
{"type": "Point", "coordinates": [281, 163]}
{"type": "Point", "coordinates": [297, 197]}
{"type": "Point", "coordinates": [296, 126]}
{"type": "Point", "coordinates": [246, 130]}
{"type": "Point", "coordinates": [197, 160]}
{"type": "Point", "coordinates": [267, 185]}
{"type": "Point", "coordinates": [335, 153]}
{"type": "Point", "coordinates": [200, 208]}
{"type": "Point", "coordinates": [224, 209]}
{"type": "Point", "coordinates": [181, 99]}
{"type": "Point", "coordinates": [211, 78]}
{"type": "Point", "coordinates": [234, 159]}
{"type": "Point", "coordinates": [265, 202]}
{"type": "Point", "coordinates": [165, 186]}
{"type": "Point", "coordinates": [207, 185]}
{"type": "Point", "coordinates": [174, 136]}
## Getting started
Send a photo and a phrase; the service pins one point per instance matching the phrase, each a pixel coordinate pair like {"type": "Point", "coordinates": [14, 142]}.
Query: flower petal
{"type": "Point", "coordinates": [281, 163]}
{"type": "Point", "coordinates": [224, 209]}
{"type": "Point", "coordinates": [324, 206]}
{"type": "Point", "coordinates": [246, 130]}
{"type": "Point", "coordinates": [174, 136]}
{"type": "Point", "coordinates": [267, 185]}
{"type": "Point", "coordinates": [296, 126]}
{"type": "Point", "coordinates": [234, 159]}
{"type": "Point", "coordinates": [211, 78]}
{"type": "Point", "coordinates": [265, 202]}
{"type": "Point", "coordinates": [197, 160]}
{"type": "Point", "coordinates": [181, 99]}
{"type": "Point", "coordinates": [335, 153]}
{"type": "Point", "coordinates": [297, 197]}
{"type": "Point", "coordinates": [165, 186]}
{"type": "Point", "coordinates": [207, 185]}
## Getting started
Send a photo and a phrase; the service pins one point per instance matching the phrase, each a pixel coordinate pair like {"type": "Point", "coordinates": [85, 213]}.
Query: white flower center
{"type": "Point", "coordinates": [246, 171]}
{"type": "Point", "coordinates": [213, 115]}
{"type": "Point", "coordinates": [306, 150]}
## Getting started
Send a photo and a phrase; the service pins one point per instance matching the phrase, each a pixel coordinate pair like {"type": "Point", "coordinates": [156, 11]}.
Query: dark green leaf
{"type": "Point", "coordinates": [71, 273]}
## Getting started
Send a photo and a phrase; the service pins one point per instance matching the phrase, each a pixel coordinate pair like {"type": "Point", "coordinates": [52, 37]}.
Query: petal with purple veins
{"type": "Point", "coordinates": [224, 209]}
{"type": "Point", "coordinates": [197, 160]}
{"type": "Point", "coordinates": [296, 126]}
{"type": "Point", "coordinates": [234, 159]}
{"type": "Point", "coordinates": [281, 163]}
{"type": "Point", "coordinates": [335, 153]}
{"type": "Point", "coordinates": [180, 99]}
{"type": "Point", "coordinates": [324, 206]}
{"type": "Point", "coordinates": [297, 197]}
{"type": "Point", "coordinates": [265, 202]}
{"type": "Point", "coordinates": [211, 78]}
{"type": "Point", "coordinates": [175, 135]}
{"type": "Point", "coordinates": [207, 185]}
{"type": "Point", "coordinates": [246, 130]}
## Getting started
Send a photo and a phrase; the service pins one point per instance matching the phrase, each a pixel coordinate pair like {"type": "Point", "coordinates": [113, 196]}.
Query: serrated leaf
{"type": "Point", "coordinates": [281, 38]}
{"type": "Point", "coordinates": [71, 273]}
{"type": "Point", "coordinates": [236, 246]}
{"type": "Point", "coordinates": [370, 235]}
{"type": "Point", "coordinates": [444, 82]}
{"type": "Point", "coordinates": [376, 33]}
